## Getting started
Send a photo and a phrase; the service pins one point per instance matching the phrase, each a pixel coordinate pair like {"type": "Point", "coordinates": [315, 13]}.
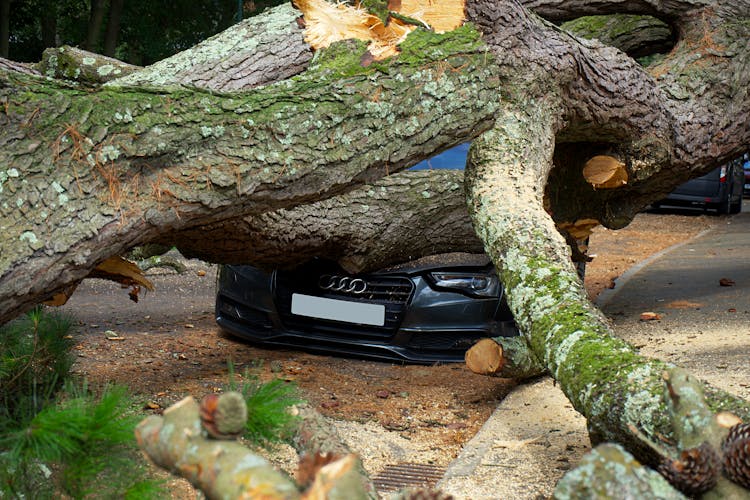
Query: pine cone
{"type": "Point", "coordinates": [736, 448]}
{"type": "Point", "coordinates": [695, 472]}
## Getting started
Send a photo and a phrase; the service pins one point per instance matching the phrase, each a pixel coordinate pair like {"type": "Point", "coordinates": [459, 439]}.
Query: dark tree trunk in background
{"type": "Point", "coordinates": [48, 20]}
{"type": "Point", "coordinates": [113, 27]}
{"type": "Point", "coordinates": [96, 19]}
{"type": "Point", "coordinates": [4, 27]}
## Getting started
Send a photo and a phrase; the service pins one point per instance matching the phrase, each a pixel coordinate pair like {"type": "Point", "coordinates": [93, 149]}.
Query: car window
{"type": "Point", "coordinates": [453, 159]}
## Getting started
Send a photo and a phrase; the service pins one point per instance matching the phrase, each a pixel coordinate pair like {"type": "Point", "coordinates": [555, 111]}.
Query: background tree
{"type": "Point", "coordinates": [135, 31]}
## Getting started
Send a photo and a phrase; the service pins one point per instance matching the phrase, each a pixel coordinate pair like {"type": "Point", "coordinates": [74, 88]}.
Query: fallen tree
{"type": "Point", "coordinates": [160, 156]}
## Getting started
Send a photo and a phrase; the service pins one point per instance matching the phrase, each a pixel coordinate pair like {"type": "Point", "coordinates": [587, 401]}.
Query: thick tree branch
{"type": "Point", "coordinates": [604, 378]}
{"type": "Point", "coordinates": [141, 163]}
{"type": "Point", "coordinates": [72, 63]}
{"type": "Point", "coordinates": [177, 442]}
{"type": "Point", "coordinates": [362, 229]}
{"type": "Point", "coordinates": [258, 51]}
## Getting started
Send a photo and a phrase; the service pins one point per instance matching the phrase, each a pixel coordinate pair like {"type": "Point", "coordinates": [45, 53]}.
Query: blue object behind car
{"type": "Point", "coordinates": [426, 311]}
{"type": "Point", "coordinates": [720, 189]}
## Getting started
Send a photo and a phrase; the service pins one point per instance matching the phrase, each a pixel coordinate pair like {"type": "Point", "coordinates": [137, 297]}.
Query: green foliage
{"type": "Point", "coordinates": [55, 436]}
{"type": "Point", "coordinates": [34, 361]}
{"type": "Point", "coordinates": [87, 442]}
{"type": "Point", "coordinates": [268, 407]}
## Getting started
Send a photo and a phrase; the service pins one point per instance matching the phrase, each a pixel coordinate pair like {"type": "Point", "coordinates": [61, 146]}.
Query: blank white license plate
{"type": "Point", "coordinates": [338, 310]}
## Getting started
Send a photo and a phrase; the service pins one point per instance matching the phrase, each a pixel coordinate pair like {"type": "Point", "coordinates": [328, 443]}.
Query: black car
{"type": "Point", "coordinates": [427, 311]}
{"type": "Point", "coordinates": [721, 189]}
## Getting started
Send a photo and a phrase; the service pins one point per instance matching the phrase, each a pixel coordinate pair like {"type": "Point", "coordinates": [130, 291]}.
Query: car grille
{"type": "Point", "coordinates": [393, 292]}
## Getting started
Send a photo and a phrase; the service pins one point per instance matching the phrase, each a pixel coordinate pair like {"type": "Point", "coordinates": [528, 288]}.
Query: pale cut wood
{"type": "Point", "coordinates": [580, 229]}
{"type": "Point", "coordinates": [326, 23]}
{"type": "Point", "coordinates": [605, 172]}
{"type": "Point", "coordinates": [115, 268]}
{"type": "Point", "coordinates": [507, 357]}
{"type": "Point", "coordinates": [485, 357]}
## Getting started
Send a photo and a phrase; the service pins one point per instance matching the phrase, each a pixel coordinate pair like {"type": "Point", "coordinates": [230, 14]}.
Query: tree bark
{"type": "Point", "coordinates": [359, 229]}
{"type": "Point", "coordinates": [132, 166]}
{"type": "Point", "coordinates": [87, 68]}
{"type": "Point", "coordinates": [635, 35]}
{"type": "Point", "coordinates": [226, 469]}
{"type": "Point", "coordinates": [170, 154]}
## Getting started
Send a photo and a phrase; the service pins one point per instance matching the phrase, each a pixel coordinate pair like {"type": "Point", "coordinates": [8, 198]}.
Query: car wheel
{"type": "Point", "coordinates": [736, 207]}
{"type": "Point", "coordinates": [725, 205]}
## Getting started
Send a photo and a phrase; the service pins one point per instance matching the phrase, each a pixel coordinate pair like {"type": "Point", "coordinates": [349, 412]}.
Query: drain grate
{"type": "Point", "coordinates": [399, 476]}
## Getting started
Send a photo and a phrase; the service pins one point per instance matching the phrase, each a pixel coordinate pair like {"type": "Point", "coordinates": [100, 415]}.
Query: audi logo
{"type": "Point", "coordinates": [345, 284]}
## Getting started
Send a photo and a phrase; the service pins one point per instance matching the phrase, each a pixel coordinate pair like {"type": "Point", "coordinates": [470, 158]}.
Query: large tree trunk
{"type": "Point", "coordinates": [175, 153]}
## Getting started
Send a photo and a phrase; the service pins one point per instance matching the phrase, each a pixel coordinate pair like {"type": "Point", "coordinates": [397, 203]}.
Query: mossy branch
{"type": "Point", "coordinates": [222, 468]}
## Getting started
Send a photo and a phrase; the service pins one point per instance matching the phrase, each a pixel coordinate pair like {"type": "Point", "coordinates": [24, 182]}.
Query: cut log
{"type": "Point", "coordinates": [485, 357]}
{"type": "Point", "coordinates": [317, 436]}
{"type": "Point", "coordinates": [508, 357]}
{"type": "Point", "coordinates": [580, 229]}
{"type": "Point", "coordinates": [605, 172]}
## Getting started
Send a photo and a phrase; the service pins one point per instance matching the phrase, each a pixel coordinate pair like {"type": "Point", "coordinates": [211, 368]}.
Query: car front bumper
{"type": "Point", "coordinates": [430, 326]}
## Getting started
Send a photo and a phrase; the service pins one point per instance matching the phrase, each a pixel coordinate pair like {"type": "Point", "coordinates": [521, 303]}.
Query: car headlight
{"type": "Point", "coordinates": [474, 284]}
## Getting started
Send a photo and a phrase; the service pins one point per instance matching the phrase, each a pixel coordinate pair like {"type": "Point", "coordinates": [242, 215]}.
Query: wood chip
{"type": "Point", "coordinates": [650, 316]}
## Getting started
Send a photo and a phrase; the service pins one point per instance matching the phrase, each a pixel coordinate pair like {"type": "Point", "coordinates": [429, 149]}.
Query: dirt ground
{"type": "Point", "coordinates": [167, 346]}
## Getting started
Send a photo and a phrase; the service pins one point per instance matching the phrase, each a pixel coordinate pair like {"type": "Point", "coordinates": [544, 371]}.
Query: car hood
{"type": "Point", "coordinates": [440, 261]}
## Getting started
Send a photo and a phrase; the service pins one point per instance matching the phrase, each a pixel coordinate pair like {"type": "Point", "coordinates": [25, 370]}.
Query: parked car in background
{"type": "Point", "coordinates": [426, 311]}
{"type": "Point", "coordinates": [721, 189]}
{"type": "Point", "coordinates": [746, 169]}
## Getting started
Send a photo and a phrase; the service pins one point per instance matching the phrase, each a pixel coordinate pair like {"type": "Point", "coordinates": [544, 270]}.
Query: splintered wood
{"type": "Point", "coordinates": [327, 22]}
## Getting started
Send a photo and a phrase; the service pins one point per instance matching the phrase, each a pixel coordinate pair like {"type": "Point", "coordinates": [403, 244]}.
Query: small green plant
{"type": "Point", "coordinates": [35, 360]}
{"type": "Point", "coordinates": [268, 406]}
{"type": "Point", "coordinates": [56, 437]}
